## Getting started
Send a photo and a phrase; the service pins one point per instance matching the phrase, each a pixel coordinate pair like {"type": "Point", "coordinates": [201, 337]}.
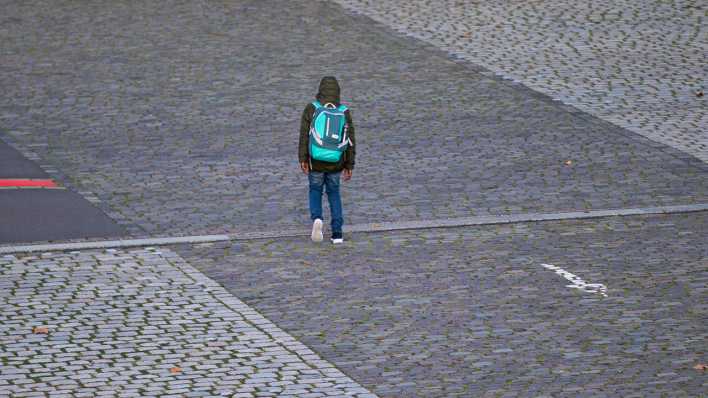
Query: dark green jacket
{"type": "Point", "coordinates": [328, 93]}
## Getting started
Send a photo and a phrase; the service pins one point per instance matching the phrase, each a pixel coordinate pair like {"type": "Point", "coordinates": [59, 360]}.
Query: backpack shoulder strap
{"type": "Point", "coordinates": [342, 108]}
{"type": "Point", "coordinates": [317, 105]}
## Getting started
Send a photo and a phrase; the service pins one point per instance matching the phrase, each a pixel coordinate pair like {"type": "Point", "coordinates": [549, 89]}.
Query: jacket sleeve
{"type": "Point", "coordinates": [304, 147]}
{"type": "Point", "coordinates": [350, 154]}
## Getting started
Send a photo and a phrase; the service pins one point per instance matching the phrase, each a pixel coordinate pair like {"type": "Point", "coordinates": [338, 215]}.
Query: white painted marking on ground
{"type": "Point", "coordinates": [578, 282]}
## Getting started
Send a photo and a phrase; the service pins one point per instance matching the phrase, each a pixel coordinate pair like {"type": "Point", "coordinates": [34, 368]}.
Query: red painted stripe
{"type": "Point", "coordinates": [17, 183]}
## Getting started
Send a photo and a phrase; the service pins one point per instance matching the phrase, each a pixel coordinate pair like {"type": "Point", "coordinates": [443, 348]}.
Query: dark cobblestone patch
{"type": "Point", "coordinates": [158, 110]}
{"type": "Point", "coordinates": [471, 312]}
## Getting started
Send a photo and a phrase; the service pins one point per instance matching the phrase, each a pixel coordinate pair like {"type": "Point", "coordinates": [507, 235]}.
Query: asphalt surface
{"type": "Point", "coordinates": [45, 214]}
{"type": "Point", "coordinates": [31, 215]}
{"type": "Point", "coordinates": [14, 165]}
{"type": "Point", "coordinates": [181, 118]}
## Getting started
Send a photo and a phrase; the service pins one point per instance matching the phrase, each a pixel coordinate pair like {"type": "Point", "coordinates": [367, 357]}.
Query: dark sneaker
{"type": "Point", "coordinates": [337, 238]}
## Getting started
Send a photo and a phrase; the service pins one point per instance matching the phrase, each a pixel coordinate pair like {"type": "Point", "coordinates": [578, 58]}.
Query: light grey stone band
{"type": "Point", "coordinates": [526, 217]}
{"type": "Point", "coordinates": [371, 227]}
{"type": "Point", "coordinates": [108, 244]}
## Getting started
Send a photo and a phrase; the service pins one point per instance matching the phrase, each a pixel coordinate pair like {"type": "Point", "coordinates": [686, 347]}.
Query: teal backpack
{"type": "Point", "coordinates": [328, 132]}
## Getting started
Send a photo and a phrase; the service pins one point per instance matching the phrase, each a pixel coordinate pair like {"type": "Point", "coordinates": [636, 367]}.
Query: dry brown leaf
{"type": "Point", "coordinates": [701, 367]}
{"type": "Point", "coordinates": [568, 162]}
{"type": "Point", "coordinates": [175, 370]}
{"type": "Point", "coordinates": [40, 330]}
{"type": "Point", "coordinates": [699, 93]}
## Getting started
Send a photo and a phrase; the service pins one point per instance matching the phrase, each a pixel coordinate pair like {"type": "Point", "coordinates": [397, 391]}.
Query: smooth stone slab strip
{"type": "Point", "coordinates": [480, 220]}
{"type": "Point", "coordinates": [372, 227]}
{"type": "Point", "coordinates": [110, 244]}
{"type": "Point", "coordinates": [526, 217]}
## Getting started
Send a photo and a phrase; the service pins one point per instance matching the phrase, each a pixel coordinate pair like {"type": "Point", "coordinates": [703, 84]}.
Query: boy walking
{"type": "Point", "coordinates": [326, 153]}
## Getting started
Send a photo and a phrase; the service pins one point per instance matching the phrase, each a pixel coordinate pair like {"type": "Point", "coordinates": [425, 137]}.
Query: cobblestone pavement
{"type": "Point", "coordinates": [143, 323]}
{"type": "Point", "coordinates": [157, 112]}
{"type": "Point", "coordinates": [472, 312]}
{"type": "Point", "coordinates": [634, 63]}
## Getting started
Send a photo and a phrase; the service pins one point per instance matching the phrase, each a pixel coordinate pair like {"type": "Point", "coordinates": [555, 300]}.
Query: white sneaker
{"type": "Point", "coordinates": [337, 241]}
{"type": "Point", "coordinates": [317, 231]}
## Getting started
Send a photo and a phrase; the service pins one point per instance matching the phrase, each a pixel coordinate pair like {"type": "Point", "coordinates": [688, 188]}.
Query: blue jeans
{"type": "Point", "coordinates": [330, 181]}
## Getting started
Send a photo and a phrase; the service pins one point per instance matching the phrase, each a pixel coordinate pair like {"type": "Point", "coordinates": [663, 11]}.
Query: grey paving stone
{"type": "Point", "coordinates": [164, 126]}
{"type": "Point", "coordinates": [634, 63]}
{"type": "Point", "coordinates": [154, 111]}
{"type": "Point", "coordinates": [471, 312]}
{"type": "Point", "coordinates": [181, 324]}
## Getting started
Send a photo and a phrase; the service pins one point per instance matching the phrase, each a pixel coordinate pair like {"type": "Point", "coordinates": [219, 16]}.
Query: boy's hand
{"type": "Point", "coordinates": [305, 166]}
{"type": "Point", "coordinates": [347, 174]}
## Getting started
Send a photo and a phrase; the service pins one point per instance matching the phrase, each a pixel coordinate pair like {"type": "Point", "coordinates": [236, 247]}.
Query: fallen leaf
{"type": "Point", "coordinates": [699, 93]}
{"type": "Point", "coordinates": [568, 162]}
{"type": "Point", "coordinates": [175, 370]}
{"type": "Point", "coordinates": [701, 367]}
{"type": "Point", "coordinates": [40, 330]}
